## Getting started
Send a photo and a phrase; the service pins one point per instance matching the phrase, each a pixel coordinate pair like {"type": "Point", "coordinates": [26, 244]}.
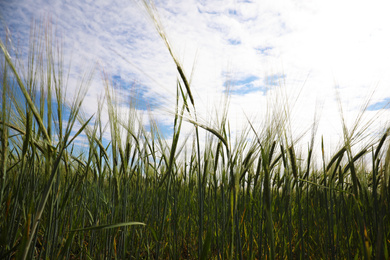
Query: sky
{"type": "Point", "coordinates": [306, 50]}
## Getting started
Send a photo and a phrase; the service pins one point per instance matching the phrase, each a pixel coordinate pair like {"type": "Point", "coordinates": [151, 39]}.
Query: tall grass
{"type": "Point", "coordinates": [246, 197]}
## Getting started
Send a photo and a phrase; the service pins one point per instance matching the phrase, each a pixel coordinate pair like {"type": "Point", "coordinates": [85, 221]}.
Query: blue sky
{"type": "Point", "coordinates": [259, 48]}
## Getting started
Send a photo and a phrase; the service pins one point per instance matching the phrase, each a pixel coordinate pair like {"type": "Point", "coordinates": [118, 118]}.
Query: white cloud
{"type": "Point", "coordinates": [316, 44]}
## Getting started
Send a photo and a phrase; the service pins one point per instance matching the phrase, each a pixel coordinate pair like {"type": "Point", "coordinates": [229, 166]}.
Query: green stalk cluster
{"type": "Point", "coordinates": [253, 196]}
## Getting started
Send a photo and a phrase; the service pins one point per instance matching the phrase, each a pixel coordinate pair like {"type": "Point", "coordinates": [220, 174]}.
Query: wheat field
{"type": "Point", "coordinates": [254, 196]}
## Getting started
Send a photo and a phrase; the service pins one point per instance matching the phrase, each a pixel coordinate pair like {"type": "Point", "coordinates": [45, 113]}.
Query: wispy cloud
{"type": "Point", "coordinates": [300, 47]}
{"type": "Point", "coordinates": [384, 104]}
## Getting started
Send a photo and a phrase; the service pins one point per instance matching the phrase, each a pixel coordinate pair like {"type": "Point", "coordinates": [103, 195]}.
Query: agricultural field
{"type": "Point", "coordinates": [142, 196]}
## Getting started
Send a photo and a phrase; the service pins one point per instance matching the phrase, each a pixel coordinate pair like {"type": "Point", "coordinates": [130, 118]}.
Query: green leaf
{"type": "Point", "coordinates": [206, 246]}
{"type": "Point", "coordinates": [153, 233]}
{"type": "Point", "coordinates": [80, 130]}
{"type": "Point", "coordinates": [108, 226]}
